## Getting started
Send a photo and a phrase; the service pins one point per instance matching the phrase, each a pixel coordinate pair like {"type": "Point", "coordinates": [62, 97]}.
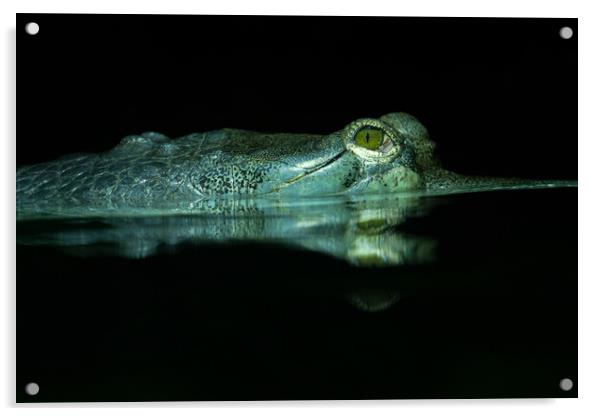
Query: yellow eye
{"type": "Point", "coordinates": [369, 138]}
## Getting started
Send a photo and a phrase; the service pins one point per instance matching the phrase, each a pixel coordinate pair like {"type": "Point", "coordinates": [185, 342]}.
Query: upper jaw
{"type": "Point", "coordinates": [314, 153]}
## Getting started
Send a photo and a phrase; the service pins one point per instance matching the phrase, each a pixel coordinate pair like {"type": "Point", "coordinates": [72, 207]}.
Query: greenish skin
{"type": "Point", "coordinates": [151, 172]}
{"type": "Point", "coordinates": [324, 194]}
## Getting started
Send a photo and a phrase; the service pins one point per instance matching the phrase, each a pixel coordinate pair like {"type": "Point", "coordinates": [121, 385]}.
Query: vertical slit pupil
{"type": "Point", "coordinates": [367, 137]}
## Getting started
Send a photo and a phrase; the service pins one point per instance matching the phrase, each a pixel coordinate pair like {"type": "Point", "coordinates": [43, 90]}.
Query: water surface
{"type": "Point", "coordinates": [469, 295]}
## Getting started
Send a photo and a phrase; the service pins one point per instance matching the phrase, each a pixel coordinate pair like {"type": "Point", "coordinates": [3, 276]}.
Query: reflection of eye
{"type": "Point", "coordinates": [369, 138]}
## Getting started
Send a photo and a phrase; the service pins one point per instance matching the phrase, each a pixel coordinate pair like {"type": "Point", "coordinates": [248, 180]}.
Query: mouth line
{"type": "Point", "coordinates": [312, 170]}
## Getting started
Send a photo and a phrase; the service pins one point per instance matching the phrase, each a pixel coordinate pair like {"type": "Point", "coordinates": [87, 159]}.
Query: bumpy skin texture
{"type": "Point", "coordinates": [153, 171]}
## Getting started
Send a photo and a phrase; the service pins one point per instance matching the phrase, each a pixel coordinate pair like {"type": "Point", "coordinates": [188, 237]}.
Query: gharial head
{"type": "Point", "coordinates": [387, 154]}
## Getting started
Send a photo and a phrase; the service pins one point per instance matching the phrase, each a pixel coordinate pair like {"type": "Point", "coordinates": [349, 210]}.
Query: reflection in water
{"type": "Point", "coordinates": [363, 232]}
{"type": "Point", "coordinates": [374, 300]}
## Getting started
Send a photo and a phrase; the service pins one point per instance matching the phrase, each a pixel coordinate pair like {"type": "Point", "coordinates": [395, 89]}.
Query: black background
{"type": "Point", "coordinates": [497, 95]}
{"type": "Point", "coordinates": [495, 316]}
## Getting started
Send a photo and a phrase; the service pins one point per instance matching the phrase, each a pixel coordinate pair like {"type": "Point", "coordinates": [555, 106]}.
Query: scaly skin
{"type": "Point", "coordinates": [191, 173]}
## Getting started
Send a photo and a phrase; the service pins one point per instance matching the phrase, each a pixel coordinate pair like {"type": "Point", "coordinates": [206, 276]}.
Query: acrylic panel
{"type": "Point", "coordinates": [295, 207]}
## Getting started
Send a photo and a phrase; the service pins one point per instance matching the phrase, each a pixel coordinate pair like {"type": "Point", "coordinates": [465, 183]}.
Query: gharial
{"type": "Point", "coordinates": [390, 154]}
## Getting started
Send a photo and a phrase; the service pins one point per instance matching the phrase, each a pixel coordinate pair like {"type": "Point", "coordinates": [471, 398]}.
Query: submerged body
{"type": "Point", "coordinates": [151, 171]}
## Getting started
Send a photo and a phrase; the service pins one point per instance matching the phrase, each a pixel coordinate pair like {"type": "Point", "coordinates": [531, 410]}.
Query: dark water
{"type": "Point", "coordinates": [460, 296]}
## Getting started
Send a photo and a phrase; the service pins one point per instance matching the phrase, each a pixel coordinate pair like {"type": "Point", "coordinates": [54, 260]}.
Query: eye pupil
{"type": "Point", "coordinates": [367, 137]}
